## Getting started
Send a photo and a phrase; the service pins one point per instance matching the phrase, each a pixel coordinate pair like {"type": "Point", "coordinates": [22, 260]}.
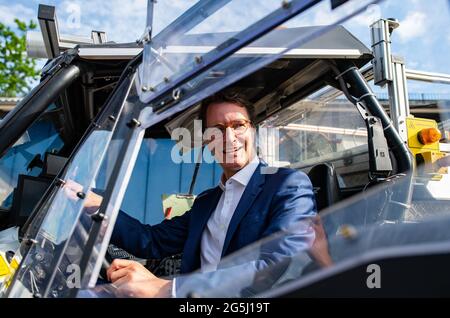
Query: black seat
{"type": "Point", "coordinates": [325, 183]}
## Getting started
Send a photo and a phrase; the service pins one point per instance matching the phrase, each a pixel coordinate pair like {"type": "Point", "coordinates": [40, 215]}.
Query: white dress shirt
{"type": "Point", "coordinates": [213, 236]}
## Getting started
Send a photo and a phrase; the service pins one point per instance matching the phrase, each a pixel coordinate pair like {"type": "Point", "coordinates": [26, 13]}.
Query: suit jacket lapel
{"type": "Point", "coordinates": [197, 225]}
{"type": "Point", "coordinates": [199, 220]}
{"type": "Point", "coordinates": [252, 190]}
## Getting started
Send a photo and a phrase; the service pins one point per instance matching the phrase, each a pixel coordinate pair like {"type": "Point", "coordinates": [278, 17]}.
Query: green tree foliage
{"type": "Point", "coordinates": [17, 70]}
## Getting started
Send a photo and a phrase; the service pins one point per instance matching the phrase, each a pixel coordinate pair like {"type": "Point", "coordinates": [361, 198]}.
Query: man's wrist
{"type": "Point", "coordinates": [165, 290]}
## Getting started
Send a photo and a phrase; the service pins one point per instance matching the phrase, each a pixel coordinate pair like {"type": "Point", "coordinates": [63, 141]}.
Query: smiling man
{"type": "Point", "coordinates": [245, 207]}
{"type": "Point", "coordinates": [232, 135]}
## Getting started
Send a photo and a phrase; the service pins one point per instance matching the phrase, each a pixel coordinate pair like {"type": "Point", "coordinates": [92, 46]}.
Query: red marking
{"type": "Point", "coordinates": [167, 212]}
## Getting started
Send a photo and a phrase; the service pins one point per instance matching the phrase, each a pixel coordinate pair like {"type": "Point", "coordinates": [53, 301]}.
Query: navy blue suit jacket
{"type": "Point", "coordinates": [270, 203]}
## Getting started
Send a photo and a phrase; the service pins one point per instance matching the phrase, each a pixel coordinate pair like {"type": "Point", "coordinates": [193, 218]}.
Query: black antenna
{"type": "Point", "coordinates": [197, 167]}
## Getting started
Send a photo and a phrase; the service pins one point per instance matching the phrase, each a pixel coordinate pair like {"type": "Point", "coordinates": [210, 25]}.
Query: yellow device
{"type": "Point", "coordinates": [176, 204]}
{"type": "Point", "coordinates": [423, 141]}
{"type": "Point", "coordinates": [4, 266]}
{"type": "Point", "coordinates": [423, 135]}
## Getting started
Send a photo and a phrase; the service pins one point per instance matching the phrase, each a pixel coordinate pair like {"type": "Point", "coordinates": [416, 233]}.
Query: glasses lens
{"type": "Point", "coordinates": [240, 127]}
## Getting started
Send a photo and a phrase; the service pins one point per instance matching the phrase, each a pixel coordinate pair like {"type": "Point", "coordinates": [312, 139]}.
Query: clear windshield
{"type": "Point", "coordinates": [203, 17]}
{"type": "Point", "coordinates": [26, 157]}
{"type": "Point", "coordinates": [172, 57]}
{"type": "Point", "coordinates": [316, 130]}
{"type": "Point", "coordinates": [380, 217]}
{"type": "Point", "coordinates": [54, 243]}
{"type": "Point", "coordinates": [80, 239]}
{"type": "Point", "coordinates": [351, 231]}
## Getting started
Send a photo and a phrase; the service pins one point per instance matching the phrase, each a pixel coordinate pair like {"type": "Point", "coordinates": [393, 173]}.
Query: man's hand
{"type": "Point", "coordinates": [319, 249]}
{"type": "Point", "coordinates": [132, 279]}
{"type": "Point", "coordinates": [92, 201]}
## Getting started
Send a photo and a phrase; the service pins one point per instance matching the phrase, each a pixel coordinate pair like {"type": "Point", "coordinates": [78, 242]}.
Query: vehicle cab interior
{"type": "Point", "coordinates": [313, 109]}
{"type": "Point", "coordinates": [41, 133]}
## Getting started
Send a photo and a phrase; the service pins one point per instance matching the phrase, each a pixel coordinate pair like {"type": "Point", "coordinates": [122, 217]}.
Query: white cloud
{"type": "Point", "coordinates": [414, 25]}
{"type": "Point", "coordinates": [9, 12]}
{"type": "Point", "coordinates": [322, 14]}
{"type": "Point", "coordinates": [236, 16]}
{"type": "Point", "coordinates": [412, 64]}
{"type": "Point", "coordinates": [167, 11]}
{"type": "Point", "coordinates": [369, 16]}
{"type": "Point", "coordinates": [122, 21]}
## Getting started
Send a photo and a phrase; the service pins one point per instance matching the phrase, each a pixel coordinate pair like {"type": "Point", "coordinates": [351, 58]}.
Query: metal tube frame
{"type": "Point", "coordinates": [30, 108]}
{"type": "Point", "coordinates": [398, 97]}
{"type": "Point", "coordinates": [359, 87]}
{"type": "Point", "coordinates": [127, 113]}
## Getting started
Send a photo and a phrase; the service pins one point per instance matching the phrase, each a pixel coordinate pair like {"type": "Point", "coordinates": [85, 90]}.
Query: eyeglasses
{"type": "Point", "coordinates": [239, 127]}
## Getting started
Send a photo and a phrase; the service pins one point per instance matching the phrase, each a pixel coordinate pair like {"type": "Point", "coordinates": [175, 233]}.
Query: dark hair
{"type": "Point", "coordinates": [227, 96]}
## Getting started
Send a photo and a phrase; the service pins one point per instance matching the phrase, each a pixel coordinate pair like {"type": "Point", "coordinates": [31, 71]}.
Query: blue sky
{"type": "Point", "coordinates": [422, 39]}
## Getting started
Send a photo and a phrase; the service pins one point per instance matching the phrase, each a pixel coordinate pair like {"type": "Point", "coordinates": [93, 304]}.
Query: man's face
{"type": "Point", "coordinates": [233, 146]}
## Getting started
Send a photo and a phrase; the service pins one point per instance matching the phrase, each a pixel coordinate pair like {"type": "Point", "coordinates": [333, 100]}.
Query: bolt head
{"type": "Point", "coordinates": [285, 4]}
{"type": "Point", "coordinates": [81, 195]}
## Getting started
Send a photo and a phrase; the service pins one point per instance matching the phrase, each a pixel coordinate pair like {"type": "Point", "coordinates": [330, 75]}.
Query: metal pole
{"type": "Point", "coordinates": [427, 76]}
{"type": "Point", "coordinates": [150, 9]}
{"type": "Point", "coordinates": [390, 70]}
{"type": "Point", "coordinates": [398, 97]}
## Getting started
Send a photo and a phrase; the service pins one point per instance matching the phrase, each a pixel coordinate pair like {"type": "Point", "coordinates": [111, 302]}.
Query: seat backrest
{"type": "Point", "coordinates": [325, 183]}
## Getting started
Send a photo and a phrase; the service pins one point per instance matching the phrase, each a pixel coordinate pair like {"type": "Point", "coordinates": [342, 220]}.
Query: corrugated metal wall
{"type": "Point", "coordinates": [156, 174]}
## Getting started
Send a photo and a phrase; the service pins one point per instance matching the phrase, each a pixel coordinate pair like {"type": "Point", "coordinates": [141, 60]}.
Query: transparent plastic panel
{"type": "Point", "coordinates": [349, 231]}
{"type": "Point", "coordinates": [54, 242]}
{"type": "Point", "coordinates": [170, 60]}
{"type": "Point", "coordinates": [371, 223]}
{"type": "Point", "coordinates": [26, 156]}
{"type": "Point", "coordinates": [61, 221]}
{"type": "Point", "coordinates": [111, 182]}
{"type": "Point", "coordinates": [204, 17]}
{"type": "Point", "coordinates": [379, 219]}
{"type": "Point", "coordinates": [319, 129]}
{"type": "Point", "coordinates": [166, 12]}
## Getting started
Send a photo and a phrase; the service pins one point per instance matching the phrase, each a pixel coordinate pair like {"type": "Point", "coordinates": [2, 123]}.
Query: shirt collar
{"type": "Point", "coordinates": [243, 176]}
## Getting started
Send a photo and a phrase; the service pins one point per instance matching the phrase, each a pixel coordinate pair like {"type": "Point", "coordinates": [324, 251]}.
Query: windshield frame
{"type": "Point", "coordinates": [32, 228]}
